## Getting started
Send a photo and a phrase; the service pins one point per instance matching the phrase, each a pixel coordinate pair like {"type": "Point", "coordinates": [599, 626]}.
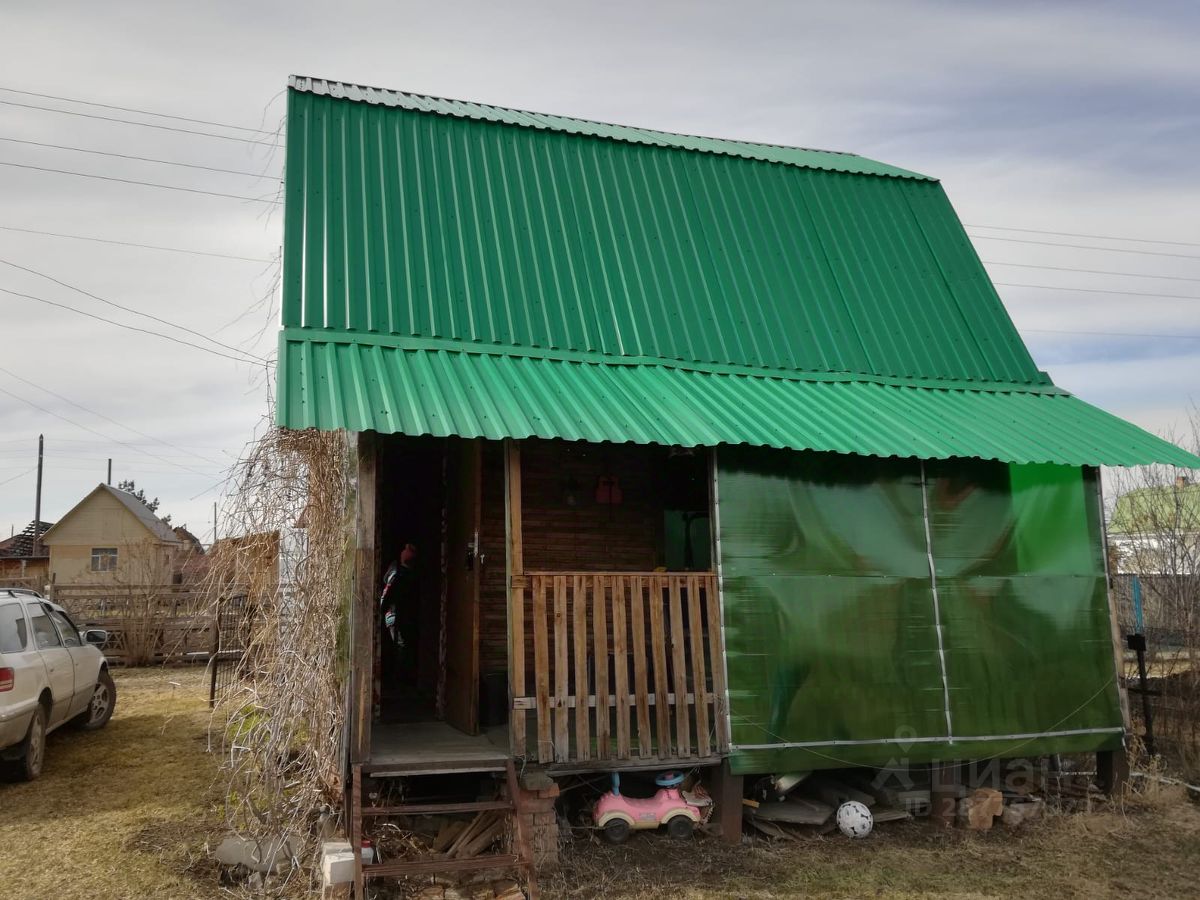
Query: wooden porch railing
{"type": "Point", "coordinates": [624, 666]}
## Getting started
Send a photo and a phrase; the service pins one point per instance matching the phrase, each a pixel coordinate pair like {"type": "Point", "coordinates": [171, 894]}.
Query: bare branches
{"type": "Point", "coordinates": [282, 571]}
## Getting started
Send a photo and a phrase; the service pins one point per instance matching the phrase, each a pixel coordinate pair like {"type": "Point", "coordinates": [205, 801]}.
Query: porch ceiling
{"type": "Point", "coordinates": [420, 387]}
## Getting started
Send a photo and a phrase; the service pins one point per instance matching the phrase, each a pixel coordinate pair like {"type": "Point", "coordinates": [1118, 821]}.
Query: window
{"type": "Point", "coordinates": [104, 559]}
{"type": "Point", "coordinates": [70, 634]}
{"type": "Point", "coordinates": [14, 631]}
{"type": "Point", "coordinates": [43, 631]}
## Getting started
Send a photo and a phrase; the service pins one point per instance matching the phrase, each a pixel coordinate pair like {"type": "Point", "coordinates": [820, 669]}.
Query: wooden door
{"type": "Point", "coordinates": [464, 559]}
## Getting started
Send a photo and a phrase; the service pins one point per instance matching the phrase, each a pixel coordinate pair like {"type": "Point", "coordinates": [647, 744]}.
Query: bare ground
{"type": "Point", "coordinates": [129, 812]}
{"type": "Point", "coordinates": [124, 812]}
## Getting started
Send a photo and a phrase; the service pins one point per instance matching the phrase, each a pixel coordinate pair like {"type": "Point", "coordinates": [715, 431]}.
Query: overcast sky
{"type": "Point", "coordinates": [1061, 117]}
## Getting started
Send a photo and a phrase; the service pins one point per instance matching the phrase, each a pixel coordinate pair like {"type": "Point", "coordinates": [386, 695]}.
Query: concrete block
{"type": "Point", "coordinates": [337, 863]}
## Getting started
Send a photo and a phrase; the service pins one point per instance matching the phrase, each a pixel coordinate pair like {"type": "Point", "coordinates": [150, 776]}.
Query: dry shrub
{"type": "Point", "coordinates": [282, 575]}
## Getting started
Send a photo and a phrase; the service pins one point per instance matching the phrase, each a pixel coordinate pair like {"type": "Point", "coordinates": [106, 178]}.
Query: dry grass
{"type": "Point", "coordinates": [120, 813]}
{"type": "Point", "coordinates": [1146, 847]}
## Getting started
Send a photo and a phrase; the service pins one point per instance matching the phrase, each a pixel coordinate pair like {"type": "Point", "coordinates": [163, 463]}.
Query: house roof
{"type": "Point", "coordinates": [448, 263]}
{"type": "Point", "coordinates": [156, 526]}
{"type": "Point", "coordinates": [21, 545]}
{"type": "Point", "coordinates": [803, 157]}
{"type": "Point", "coordinates": [1161, 508]}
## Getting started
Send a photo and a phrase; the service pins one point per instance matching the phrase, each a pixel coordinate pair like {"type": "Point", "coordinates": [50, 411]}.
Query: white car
{"type": "Point", "coordinates": [51, 673]}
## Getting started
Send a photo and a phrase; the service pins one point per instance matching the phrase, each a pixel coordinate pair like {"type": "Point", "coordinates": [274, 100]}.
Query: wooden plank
{"type": "Point", "coordinates": [366, 570]}
{"type": "Point", "coordinates": [541, 668]}
{"type": "Point", "coordinates": [516, 540]}
{"type": "Point", "coordinates": [640, 687]}
{"type": "Point", "coordinates": [561, 735]}
{"type": "Point", "coordinates": [716, 649]}
{"type": "Point", "coordinates": [600, 663]}
{"type": "Point", "coordinates": [583, 738]}
{"type": "Point", "coordinates": [620, 665]}
{"type": "Point", "coordinates": [658, 640]}
{"type": "Point", "coordinates": [683, 741]}
{"type": "Point", "coordinates": [405, 868]}
{"type": "Point", "coordinates": [516, 669]}
{"type": "Point", "coordinates": [699, 675]}
{"type": "Point", "coordinates": [516, 596]}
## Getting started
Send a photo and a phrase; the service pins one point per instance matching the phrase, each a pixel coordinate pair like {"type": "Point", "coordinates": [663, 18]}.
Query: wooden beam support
{"type": "Point", "coordinates": [362, 616]}
{"type": "Point", "coordinates": [1112, 771]}
{"type": "Point", "coordinates": [943, 793]}
{"type": "Point", "coordinates": [515, 564]}
{"type": "Point", "coordinates": [727, 793]}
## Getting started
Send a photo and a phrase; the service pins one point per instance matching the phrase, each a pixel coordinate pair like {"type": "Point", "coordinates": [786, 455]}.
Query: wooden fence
{"type": "Point", "coordinates": [146, 624]}
{"type": "Point", "coordinates": [608, 648]}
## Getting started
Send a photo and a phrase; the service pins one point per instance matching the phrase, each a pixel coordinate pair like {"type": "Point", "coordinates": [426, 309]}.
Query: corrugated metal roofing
{"type": "Point", "coordinates": [404, 223]}
{"type": "Point", "coordinates": [797, 156]}
{"type": "Point", "coordinates": [495, 395]}
{"type": "Point", "coordinates": [454, 268]}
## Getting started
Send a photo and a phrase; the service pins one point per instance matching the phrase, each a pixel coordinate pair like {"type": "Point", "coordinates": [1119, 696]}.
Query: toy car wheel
{"type": "Point", "coordinates": [680, 828]}
{"type": "Point", "coordinates": [616, 831]}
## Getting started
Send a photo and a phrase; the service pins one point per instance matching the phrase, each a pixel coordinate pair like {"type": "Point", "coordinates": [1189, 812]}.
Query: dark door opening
{"type": "Point", "coordinates": [427, 616]}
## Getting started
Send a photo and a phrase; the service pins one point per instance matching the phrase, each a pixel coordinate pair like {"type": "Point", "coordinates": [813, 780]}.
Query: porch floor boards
{"type": "Point", "coordinates": [427, 748]}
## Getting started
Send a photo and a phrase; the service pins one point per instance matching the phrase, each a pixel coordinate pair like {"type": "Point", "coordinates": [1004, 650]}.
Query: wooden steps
{"type": "Point", "coordinates": [464, 852]}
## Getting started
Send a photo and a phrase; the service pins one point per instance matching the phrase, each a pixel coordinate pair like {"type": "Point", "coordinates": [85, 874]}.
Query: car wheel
{"type": "Point", "coordinates": [28, 765]}
{"type": "Point", "coordinates": [102, 705]}
{"type": "Point", "coordinates": [616, 831]}
{"type": "Point", "coordinates": [680, 828]}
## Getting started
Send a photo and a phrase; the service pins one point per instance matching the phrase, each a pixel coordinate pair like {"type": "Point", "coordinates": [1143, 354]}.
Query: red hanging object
{"type": "Point", "coordinates": [608, 490]}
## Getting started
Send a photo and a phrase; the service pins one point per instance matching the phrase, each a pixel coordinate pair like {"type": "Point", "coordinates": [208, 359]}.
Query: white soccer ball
{"type": "Point", "coordinates": [854, 819]}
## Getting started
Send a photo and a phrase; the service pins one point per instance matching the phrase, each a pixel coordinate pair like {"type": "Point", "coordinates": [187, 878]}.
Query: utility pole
{"type": "Point", "coordinates": [214, 523]}
{"type": "Point", "coordinates": [109, 482]}
{"type": "Point", "coordinates": [37, 506]}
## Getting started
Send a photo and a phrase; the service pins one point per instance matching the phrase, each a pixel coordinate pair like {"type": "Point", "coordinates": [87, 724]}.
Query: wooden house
{"type": "Point", "coordinates": [712, 451]}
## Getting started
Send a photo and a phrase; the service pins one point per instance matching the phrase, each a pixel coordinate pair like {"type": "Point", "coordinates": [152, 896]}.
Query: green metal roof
{"type": "Point", "coordinates": [796, 156]}
{"type": "Point", "coordinates": [403, 387]}
{"type": "Point", "coordinates": [457, 266]}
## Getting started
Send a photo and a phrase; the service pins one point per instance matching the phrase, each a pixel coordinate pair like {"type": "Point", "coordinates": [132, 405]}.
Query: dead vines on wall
{"type": "Point", "coordinates": [279, 574]}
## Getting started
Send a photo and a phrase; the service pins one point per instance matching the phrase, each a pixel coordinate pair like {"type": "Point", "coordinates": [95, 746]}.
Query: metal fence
{"type": "Point", "coordinates": [234, 618]}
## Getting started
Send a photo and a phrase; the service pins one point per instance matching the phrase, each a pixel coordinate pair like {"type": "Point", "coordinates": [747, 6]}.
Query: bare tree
{"type": "Point", "coordinates": [1154, 543]}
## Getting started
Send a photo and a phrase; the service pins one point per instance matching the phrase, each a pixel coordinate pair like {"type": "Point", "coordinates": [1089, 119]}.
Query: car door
{"type": "Point", "coordinates": [85, 659]}
{"type": "Point", "coordinates": [60, 668]}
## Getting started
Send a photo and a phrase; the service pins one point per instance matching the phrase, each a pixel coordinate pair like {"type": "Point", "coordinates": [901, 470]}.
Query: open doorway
{"type": "Point", "coordinates": [426, 648]}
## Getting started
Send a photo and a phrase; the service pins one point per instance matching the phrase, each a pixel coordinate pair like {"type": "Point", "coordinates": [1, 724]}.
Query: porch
{"type": "Point", "coordinates": [569, 615]}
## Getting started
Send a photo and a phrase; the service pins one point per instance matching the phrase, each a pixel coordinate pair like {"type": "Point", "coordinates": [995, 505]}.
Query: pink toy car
{"type": "Point", "coordinates": [618, 815]}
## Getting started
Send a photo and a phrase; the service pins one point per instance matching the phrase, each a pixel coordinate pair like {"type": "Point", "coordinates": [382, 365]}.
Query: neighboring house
{"type": "Point", "coordinates": [23, 558]}
{"type": "Point", "coordinates": [710, 450]}
{"type": "Point", "coordinates": [1156, 530]}
{"type": "Point", "coordinates": [112, 537]}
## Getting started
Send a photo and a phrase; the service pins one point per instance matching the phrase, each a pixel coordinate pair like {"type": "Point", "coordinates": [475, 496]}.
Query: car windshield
{"type": "Point", "coordinates": [14, 631]}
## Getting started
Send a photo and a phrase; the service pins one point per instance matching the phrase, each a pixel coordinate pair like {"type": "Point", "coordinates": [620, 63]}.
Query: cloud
{"type": "Point", "coordinates": [1064, 116]}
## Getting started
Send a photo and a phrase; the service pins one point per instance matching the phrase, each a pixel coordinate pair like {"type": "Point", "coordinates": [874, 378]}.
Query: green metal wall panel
{"type": "Point", "coordinates": [832, 612]}
{"type": "Point", "coordinates": [411, 223]}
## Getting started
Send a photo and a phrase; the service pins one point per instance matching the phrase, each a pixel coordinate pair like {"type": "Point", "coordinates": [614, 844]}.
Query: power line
{"type": "Point", "coordinates": [988, 237]}
{"type": "Point", "coordinates": [1180, 337]}
{"type": "Point", "coordinates": [80, 237]}
{"type": "Point", "coordinates": [130, 309]}
{"type": "Point", "coordinates": [22, 475]}
{"type": "Point", "coordinates": [1050, 287]}
{"type": "Point", "coordinates": [71, 112]}
{"type": "Point", "coordinates": [988, 262]}
{"type": "Point", "coordinates": [144, 112]}
{"type": "Point", "coordinates": [153, 184]}
{"type": "Point", "coordinates": [48, 412]}
{"type": "Point", "coordinates": [149, 159]}
{"type": "Point", "coordinates": [129, 327]}
{"type": "Point", "coordinates": [113, 421]}
{"type": "Point", "coordinates": [1097, 237]}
